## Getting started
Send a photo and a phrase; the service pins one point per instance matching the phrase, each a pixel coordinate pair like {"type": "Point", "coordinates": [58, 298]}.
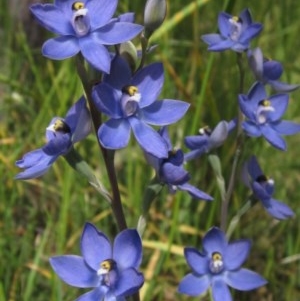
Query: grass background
{"type": "Point", "coordinates": [44, 217]}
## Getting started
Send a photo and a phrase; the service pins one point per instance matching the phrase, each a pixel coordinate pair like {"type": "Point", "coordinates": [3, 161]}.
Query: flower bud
{"type": "Point", "coordinates": [154, 15]}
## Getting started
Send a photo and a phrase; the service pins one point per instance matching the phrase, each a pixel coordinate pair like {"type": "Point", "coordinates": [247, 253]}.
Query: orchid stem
{"type": "Point", "coordinates": [108, 156]}
{"type": "Point", "coordinates": [238, 149]}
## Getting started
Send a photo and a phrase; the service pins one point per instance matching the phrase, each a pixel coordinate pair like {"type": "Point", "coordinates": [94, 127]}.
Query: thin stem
{"type": "Point", "coordinates": [238, 149]}
{"type": "Point", "coordinates": [108, 156]}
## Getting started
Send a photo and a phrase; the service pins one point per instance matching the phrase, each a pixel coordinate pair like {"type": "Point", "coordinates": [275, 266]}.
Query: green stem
{"type": "Point", "coordinates": [238, 149]}
{"type": "Point", "coordinates": [108, 156]}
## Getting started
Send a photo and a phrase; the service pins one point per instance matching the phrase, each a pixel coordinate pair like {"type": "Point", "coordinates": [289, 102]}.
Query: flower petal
{"type": "Point", "coordinates": [129, 282]}
{"type": "Point", "coordinates": [255, 60]}
{"type": "Point", "coordinates": [251, 128]}
{"type": "Point", "coordinates": [283, 87]}
{"type": "Point", "coordinates": [219, 134]}
{"type": "Point", "coordinates": [244, 280]}
{"type": "Point", "coordinates": [279, 102]}
{"type": "Point", "coordinates": [214, 241]}
{"type": "Point", "coordinates": [195, 153]}
{"type": "Point", "coordinates": [251, 32]}
{"type": "Point", "coordinates": [149, 140]}
{"type": "Point", "coordinates": [117, 32]}
{"type": "Point", "coordinates": [224, 45]}
{"type": "Point", "coordinates": [100, 12]}
{"type": "Point", "coordinates": [257, 93]}
{"type": "Point", "coordinates": [74, 271]}
{"type": "Point", "coordinates": [273, 137]}
{"type": "Point", "coordinates": [149, 81]}
{"type": "Point", "coordinates": [272, 70]}
{"type": "Point", "coordinates": [95, 53]}
{"type": "Point", "coordinates": [224, 24]}
{"type": "Point", "coordinates": [52, 18]}
{"type": "Point", "coordinates": [164, 112]}
{"type": "Point", "coordinates": [236, 253]}
{"type": "Point", "coordinates": [193, 285]}
{"type": "Point", "coordinates": [127, 250]}
{"type": "Point", "coordinates": [212, 38]}
{"type": "Point", "coordinates": [95, 246]}
{"type": "Point", "coordinates": [278, 209]}
{"type": "Point", "coordinates": [195, 192]}
{"type": "Point", "coordinates": [114, 133]}
{"type": "Point", "coordinates": [285, 127]}
{"type": "Point", "coordinates": [60, 48]}
{"type": "Point", "coordinates": [197, 262]}
{"type": "Point", "coordinates": [107, 100]}
{"type": "Point", "coordinates": [254, 168]}
{"type": "Point", "coordinates": [220, 291]}
{"type": "Point", "coordinates": [96, 294]}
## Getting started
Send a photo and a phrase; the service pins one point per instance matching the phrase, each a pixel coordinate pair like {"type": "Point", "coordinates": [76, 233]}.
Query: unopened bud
{"type": "Point", "coordinates": [154, 15]}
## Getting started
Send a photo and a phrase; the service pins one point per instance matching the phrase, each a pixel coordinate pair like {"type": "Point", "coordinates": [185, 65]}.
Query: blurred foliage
{"type": "Point", "coordinates": [44, 217]}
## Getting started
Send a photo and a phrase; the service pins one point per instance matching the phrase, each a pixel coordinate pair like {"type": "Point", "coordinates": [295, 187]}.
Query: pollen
{"type": "Point", "coordinates": [216, 256]}
{"type": "Point", "coordinates": [206, 130]}
{"type": "Point", "coordinates": [265, 103]}
{"type": "Point", "coordinates": [61, 126]}
{"type": "Point", "coordinates": [216, 264]}
{"type": "Point", "coordinates": [130, 90]}
{"type": "Point", "coordinates": [106, 266]}
{"type": "Point", "coordinates": [77, 5]}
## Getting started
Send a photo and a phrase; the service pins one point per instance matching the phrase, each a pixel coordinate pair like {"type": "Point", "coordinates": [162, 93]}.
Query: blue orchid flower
{"type": "Point", "coordinates": [111, 271]}
{"type": "Point", "coordinates": [268, 71]}
{"type": "Point", "coordinates": [264, 115]}
{"type": "Point", "coordinates": [170, 170]}
{"type": "Point", "coordinates": [219, 266]}
{"type": "Point", "coordinates": [83, 26]}
{"type": "Point", "coordinates": [131, 104]}
{"type": "Point", "coordinates": [61, 134]}
{"type": "Point", "coordinates": [235, 32]}
{"type": "Point", "coordinates": [263, 189]}
{"type": "Point", "coordinates": [208, 139]}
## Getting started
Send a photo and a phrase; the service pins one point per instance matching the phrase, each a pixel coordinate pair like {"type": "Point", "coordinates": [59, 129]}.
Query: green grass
{"type": "Point", "coordinates": [44, 217]}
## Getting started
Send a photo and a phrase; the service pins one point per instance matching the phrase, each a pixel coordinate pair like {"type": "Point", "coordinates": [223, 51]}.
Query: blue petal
{"type": "Point", "coordinates": [251, 128]}
{"type": "Point", "coordinates": [219, 134]}
{"type": "Point", "coordinates": [127, 250]}
{"type": "Point", "coordinates": [212, 38]}
{"type": "Point", "coordinates": [114, 133]}
{"type": "Point", "coordinates": [285, 127]}
{"type": "Point", "coordinates": [165, 135]}
{"type": "Point", "coordinates": [149, 140]}
{"type": "Point", "coordinates": [198, 262]}
{"type": "Point", "coordinates": [96, 294]}
{"type": "Point", "coordinates": [120, 73]}
{"type": "Point", "coordinates": [254, 168]}
{"type": "Point", "coordinates": [283, 87]}
{"type": "Point", "coordinates": [149, 81]}
{"type": "Point", "coordinates": [107, 100]}
{"type": "Point", "coordinates": [36, 164]}
{"type": "Point", "coordinates": [100, 12]}
{"type": "Point", "coordinates": [195, 192]}
{"type": "Point", "coordinates": [251, 32]}
{"type": "Point", "coordinates": [195, 154]}
{"type": "Point", "coordinates": [126, 17]}
{"type": "Point", "coordinates": [173, 174]}
{"type": "Point", "coordinates": [255, 60]}
{"type": "Point", "coordinates": [193, 286]}
{"type": "Point", "coordinates": [279, 102]}
{"type": "Point", "coordinates": [197, 142]}
{"type": "Point", "coordinates": [59, 145]}
{"type": "Point", "coordinates": [220, 291]}
{"type": "Point", "coordinates": [224, 24]}
{"type": "Point", "coordinates": [129, 282]}
{"type": "Point", "coordinates": [214, 241]}
{"type": "Point", "coordinates": [278, 209]}
{"type": "Point", "coordinates": [260, 191]}
{"type": "Point", "coordinates": [257, 93]}
{"type": "Point", "coordinates": [95, 246]}
{"type": "Point", "coordinates": [164, 112]}
{"type": "Point", "coordinates": [272, 70]}
{"type": "Point", "coordinates": [117, 32]}
{"type": "Point", "coordinates": [273, 137]}
{"type": "Point", "coordinates": [244, 280]}
{"type": "Point", "coordinates": [52, 18]}
{"type": "Point", "coordinates": [74, 271]}
{"type": "Point", "coordinates": [246, 18]}
{"type": "Point", "coordinates": [224, 45]}
{"type": "Point", "coordinates": [236, 254]}
{"type": "Point", "coordinates": [60, 48]}
{"type": "Point", "coordinates": [95, 53]}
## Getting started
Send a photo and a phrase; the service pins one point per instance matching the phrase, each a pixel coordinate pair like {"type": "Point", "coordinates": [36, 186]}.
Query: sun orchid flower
{"type": "Point", "coordinates": [110, 270]}
{"type": "Point", "coordinates": [208, 139]}
{"type": "Point", "coordinates": [170, 170]}
{"type": "Point", "coordinates": [264, 115]}
{"type": "Point", "coordinates": [61, 134]}
{"type": "Point", "coordinates": [131, 103]}
{"type": "Point", "coordinates": [83, 26]}
{"type": "Point", "coordinates": [263, 189]}
{"type": "Point", "coordinates": [268, 71]}
{"type": "Point", "coordinates": [236, 32]}
{"type": "Point", "coordinates": [218, 266]}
